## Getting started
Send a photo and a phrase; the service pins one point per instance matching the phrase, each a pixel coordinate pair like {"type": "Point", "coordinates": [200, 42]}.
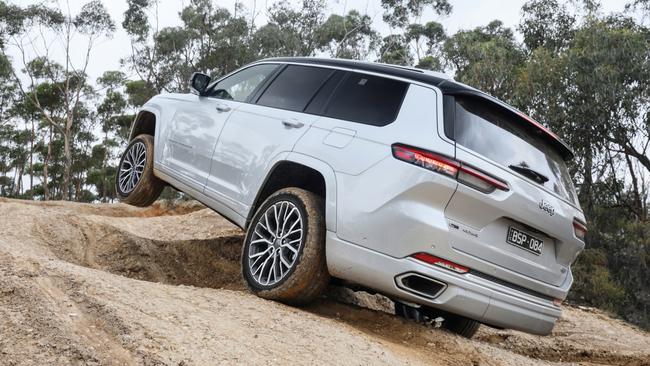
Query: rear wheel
{"type": "Point", "coordinates": [135, 182]}
{"type": "Point", "coordinates": [283, 257]}
{"type": "Point", "coordinates": [456, 323]}
{"type": "Point", "coordinates": [461, 325]}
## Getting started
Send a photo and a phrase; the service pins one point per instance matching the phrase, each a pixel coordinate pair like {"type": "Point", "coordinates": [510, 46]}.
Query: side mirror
{"type": "Point", "coordinates": [199, 83]}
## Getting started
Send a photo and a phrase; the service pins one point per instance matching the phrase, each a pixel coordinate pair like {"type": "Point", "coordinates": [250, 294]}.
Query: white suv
{"type": "Point", "coordinates": [392, 179]}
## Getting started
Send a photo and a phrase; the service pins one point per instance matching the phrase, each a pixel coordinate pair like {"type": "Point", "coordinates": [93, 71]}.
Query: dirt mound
{"type": "Point", "coordinates": [113, 284]}
{"type": "Point", "coordinates": [107, 245]}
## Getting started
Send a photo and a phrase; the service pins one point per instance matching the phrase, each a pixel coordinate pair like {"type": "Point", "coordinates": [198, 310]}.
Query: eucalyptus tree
{"type": "Point", "coordinates": [488, 58]}
{"type": "Point", "coordinates": [31, 31]}
{"type": "Point", "coordinates": [110, 114]}
{"type": "Point", "coordinates": [347, 36]}
{"type": "Point", "coordinates": [295, 28]}
{"type": "Point", "coordinates": [212, 39]}
{"type": "Point", "coordinates": [409, 37]}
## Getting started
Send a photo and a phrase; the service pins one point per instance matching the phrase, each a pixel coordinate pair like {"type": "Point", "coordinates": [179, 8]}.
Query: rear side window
{"type": "Point", "coordinates": [367, 99]}
{"type": "Point", "coordinates": [294, 87]}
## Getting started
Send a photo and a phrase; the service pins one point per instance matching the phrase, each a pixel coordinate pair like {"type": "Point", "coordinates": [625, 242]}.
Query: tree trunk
{"type": "Point", "coordinates": [638, 202]}
{"type": "Point", "coordinates": [65, 192]}
{"type": "Point", "coordinates": [77, 191]}
{"type": "Point", "coordinates": [31, 161]}
{"type": "Point", "coordinates": [104, 183]}
{"type": "Point", "coordinates": [19, 184]}
{"type": "Point", "coordinates": [46, 188]}
{"type": "Point", "coordinates": [588, 182]}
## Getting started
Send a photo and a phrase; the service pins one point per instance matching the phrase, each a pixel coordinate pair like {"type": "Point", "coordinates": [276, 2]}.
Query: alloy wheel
{"type": "Point", "coordinates": [132, 167]}
{"type": "Point", "coordinates": [275, 243]}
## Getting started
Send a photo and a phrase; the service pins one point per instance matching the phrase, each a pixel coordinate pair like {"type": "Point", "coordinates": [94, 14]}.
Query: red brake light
{"type": "Point", "coordinates": [426, 160]}
{"type": "Point", "coordinates": [428, 258]}
{"type": "Point", "coordinates": [580, 229]}
{"type": "Point", "coordinates": [449, 167]}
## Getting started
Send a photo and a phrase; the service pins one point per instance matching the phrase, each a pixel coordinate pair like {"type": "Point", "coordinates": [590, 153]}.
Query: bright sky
{"type": "Point", "coordinates": [467, 14]}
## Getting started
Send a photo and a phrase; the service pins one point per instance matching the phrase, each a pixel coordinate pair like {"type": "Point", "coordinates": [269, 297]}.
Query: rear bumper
{"type": "Point", "coordinates": [465, 294]}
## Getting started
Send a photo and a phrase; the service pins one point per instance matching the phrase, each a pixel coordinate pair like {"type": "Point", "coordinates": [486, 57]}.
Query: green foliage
{"type": "Point", "coordinates": [136, 22]}
{"type": "Point", "coordinates": [594, 284]}
{"type": "Point", "coordinates": [94, 19]}
{"type": "Point", "coordinates": [15, 19]}
{"type": "Point", "coordinates": [395, 50]}
{"type": "Point", "coordinates": [487, 57]}
{"type": "Point", "coordinates": [546, 24]}
{"type": "Point", "coordinates": [350, 36]}
{"type": "Point", "coordinates": [139, 91]}
{"type": "Point", "coordinates": [400, 13]}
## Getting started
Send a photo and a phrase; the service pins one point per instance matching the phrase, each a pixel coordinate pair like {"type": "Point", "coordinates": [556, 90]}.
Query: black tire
{"type": "Point", "coordinates": [307, 278]}
{"type": "Point", "coordinates": [148, 187]}
{"type": "Point", "coordinates": [461, 325]}
{"type": "Point", "coordinates": [456, 323]}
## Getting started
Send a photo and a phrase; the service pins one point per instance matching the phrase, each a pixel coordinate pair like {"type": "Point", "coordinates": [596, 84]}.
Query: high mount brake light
{"type": "Point", "coordinates": [579, 229]}
{"type": "Point", "coordinates": [449, 167]}
{"type": "Point", "coordinates": [428, 258]}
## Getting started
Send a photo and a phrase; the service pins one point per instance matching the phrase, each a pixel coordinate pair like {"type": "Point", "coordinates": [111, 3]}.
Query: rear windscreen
{"type": "Point", "coordinates": [499, 136]}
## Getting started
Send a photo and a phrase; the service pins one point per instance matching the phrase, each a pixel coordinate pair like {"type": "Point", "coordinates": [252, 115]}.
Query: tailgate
{"type": "Point", "coordinates": [483, 222]}
{"type": "Point", "coordinates": [527, 228]}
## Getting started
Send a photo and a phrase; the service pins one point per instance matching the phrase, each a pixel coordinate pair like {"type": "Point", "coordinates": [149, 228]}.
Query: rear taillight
{"type": "Point", "coordinates": [579, 229]}
{"type": "Point", "coordinates": [428, 258]}
{"type": "Point", "coordinates": [449, 167]}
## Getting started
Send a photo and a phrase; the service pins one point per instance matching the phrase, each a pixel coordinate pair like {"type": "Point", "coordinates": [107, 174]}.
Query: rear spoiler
{"type": "Point", "coordinates": [562, 147]}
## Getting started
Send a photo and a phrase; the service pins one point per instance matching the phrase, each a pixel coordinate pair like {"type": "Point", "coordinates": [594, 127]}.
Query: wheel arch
{"type": "Point", "coordinates": [144, 122]}
{"type": "Point", "coordinates": [308, 168]}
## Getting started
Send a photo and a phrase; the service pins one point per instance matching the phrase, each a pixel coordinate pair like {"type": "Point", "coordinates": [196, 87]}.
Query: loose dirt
{"type": "Point", "coordinates": [115, 285]}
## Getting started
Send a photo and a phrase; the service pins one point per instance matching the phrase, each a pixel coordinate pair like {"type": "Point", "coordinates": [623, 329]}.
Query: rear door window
{"type": "Point", "coordinates": [319, 102]}
{"type": "Point", "coordinates": [499, 136]}
{"type": "Point", "coordinates": [294, 87]}
{"type": "Point", "coordinates": [367, 99]}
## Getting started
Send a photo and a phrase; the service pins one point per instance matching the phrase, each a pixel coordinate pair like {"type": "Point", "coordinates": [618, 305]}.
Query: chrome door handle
{"type": "Point", "coordinates": [292, 123]}
{"type": "Point", "coordinates": [223, 108]}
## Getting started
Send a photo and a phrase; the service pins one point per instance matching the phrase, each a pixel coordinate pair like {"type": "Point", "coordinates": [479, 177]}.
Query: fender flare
{"type": "Point", "coordinates": [154, 109]}
{"type": "Point", "coordinates": [321, 167]}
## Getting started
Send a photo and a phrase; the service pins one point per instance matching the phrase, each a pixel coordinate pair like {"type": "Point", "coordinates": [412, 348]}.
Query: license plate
{"type": "Point", "coordinates": [525, 241]}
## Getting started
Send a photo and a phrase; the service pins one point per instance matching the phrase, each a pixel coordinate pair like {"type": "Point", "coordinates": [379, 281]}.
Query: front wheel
{"type": "Point", "coordinates": [283, 257]}
{"type": "Point", "coordinates": [135, 182]}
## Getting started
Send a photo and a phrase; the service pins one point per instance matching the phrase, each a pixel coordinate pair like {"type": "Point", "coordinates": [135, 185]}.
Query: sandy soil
{"type": "Point", "coordinates": [115, 285]}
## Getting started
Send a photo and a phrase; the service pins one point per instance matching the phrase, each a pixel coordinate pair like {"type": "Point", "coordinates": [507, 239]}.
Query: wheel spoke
{"type": "Point", "coordinates": [294, 250]}
{"type": "Point", "coordinates": [280, 262]}
{"type": "Point", "coordinates": [286, 218]}
{"type": "Point", "coordinates": [262, 240]}
{"type": "Point", "coordinates": [284, 261]}
{"type": "Point", "coordinates": [268, 227]}
{"type": "Point", "coordinates": [273, 269]}
{"type": "Point", "coordinates": [261, 268]}
{"type": "Point", "coordinates": [263, 227]}
{"type": "Point", "coordinates": [298, 230]}
{"type": "Point", "coordinates": [277, 221]}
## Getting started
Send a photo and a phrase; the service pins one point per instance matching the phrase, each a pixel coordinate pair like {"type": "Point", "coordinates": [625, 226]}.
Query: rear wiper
{"type": "Point", "coordinates": [530, 173]}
